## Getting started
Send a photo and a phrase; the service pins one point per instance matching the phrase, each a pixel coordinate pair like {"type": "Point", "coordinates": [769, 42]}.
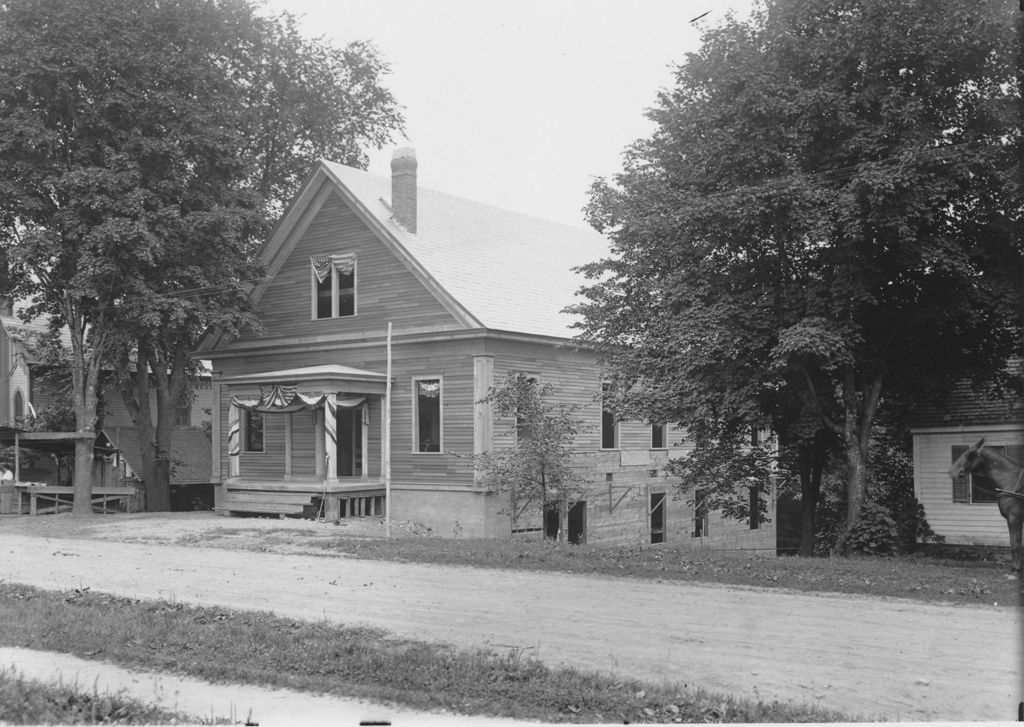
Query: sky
{"type": "Point", "coordinates": [519, 104]}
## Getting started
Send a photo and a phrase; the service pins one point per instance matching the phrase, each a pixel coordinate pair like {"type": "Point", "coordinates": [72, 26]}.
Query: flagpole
{"type": "Point", "coordinates": [387, 441]}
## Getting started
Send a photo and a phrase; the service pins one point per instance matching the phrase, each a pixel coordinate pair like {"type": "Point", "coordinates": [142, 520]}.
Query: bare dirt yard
{"type": "Point", "coordinates": [884, 659]}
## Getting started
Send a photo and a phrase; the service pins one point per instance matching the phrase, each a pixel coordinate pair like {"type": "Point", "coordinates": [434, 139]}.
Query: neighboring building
{"type": "Point", "coordinates": [965, 511]}
{"type": "Point", "coordinates": [17, 338]}
{"type": "Point", "coordinates": [471, 292]}
{"type": "Point", "coordinates": [23, 392]}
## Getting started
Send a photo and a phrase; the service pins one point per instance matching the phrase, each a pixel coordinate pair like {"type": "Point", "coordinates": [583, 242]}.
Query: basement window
{"type": "Point", "coordinates": [334, 285]}
{"type": "Point", "coordinates": [700, 514]}
{"type": "Point", "coordinates": [657, 512]}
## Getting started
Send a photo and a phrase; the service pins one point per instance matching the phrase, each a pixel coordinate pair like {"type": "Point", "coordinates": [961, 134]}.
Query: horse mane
{"type": "Point", "coordinates": [1013, 472]}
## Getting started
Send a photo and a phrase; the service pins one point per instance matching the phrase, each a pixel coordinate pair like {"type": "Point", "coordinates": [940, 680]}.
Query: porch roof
{"type": "Point", "coordinates": [342, 378]}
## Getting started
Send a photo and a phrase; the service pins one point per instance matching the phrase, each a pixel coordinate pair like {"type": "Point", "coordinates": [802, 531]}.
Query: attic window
{"type": "Point", "coordinates": [334, 285]}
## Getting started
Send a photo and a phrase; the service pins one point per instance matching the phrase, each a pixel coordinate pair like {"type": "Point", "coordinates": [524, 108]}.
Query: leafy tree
{"type": "Point", "coordinates": [536, 468]}
{"type": "Point", "coordinates": [144, 146]}
{"type": "Point", "coordinates": [722, 468]}
{"type": "Point", "coordinates": [822, 221]}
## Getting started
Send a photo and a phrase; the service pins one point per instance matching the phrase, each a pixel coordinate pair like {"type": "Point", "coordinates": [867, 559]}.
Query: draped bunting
{"type": "Point", "coordinates": [281, 398]}
{"type": "Point", "coordinates": [429, 389]}
{"type": "Point", "coordinates": [323, 264]}
{"type": "Point", "coordinates": [285, 398]}
{"type": "Point", "coordinates": [234, 445]}
{"type": "Point", "coordinates": [331, 436]}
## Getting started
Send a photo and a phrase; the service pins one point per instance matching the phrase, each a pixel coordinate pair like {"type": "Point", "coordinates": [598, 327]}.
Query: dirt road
{"type": "Point", "coordinates": [880, 659]}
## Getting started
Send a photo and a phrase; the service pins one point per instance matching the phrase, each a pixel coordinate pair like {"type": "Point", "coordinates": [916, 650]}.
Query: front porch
{"type": "Point", "coordinates": [301, 434]}
{"type": "Point", "coordinates": [345, 497]}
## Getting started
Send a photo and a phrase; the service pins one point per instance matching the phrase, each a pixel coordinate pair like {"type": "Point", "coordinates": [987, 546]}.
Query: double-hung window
{"type": "Point", "coordinates": [334, 285]}
{"type": "Point", "coordinates": [253, 431]}
{"type": "Point", "coordinates": [427, 415]}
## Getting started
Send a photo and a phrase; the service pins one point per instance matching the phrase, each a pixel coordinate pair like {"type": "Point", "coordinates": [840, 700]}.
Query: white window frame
{"type": "Point", "coordinates": [314, 285]}
{"type": "Point", "coordinates": [416, 414]}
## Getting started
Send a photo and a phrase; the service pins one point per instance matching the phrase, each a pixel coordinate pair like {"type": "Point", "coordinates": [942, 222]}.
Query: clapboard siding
{"type": "Point", "coordinates": [268, 464]}
{"type": "Point", "coordinates": [19, 381]}
{"type": "Point", "coordinates": [576, 379]}
{"type": "Point", "coordinates": [958, 522]}
{"type": "Point", "coordinates": [303, 444]}
{"type": "Point", "coordinates": [385, 289]}
{"type": "Point", "coordinates": [451, 362]}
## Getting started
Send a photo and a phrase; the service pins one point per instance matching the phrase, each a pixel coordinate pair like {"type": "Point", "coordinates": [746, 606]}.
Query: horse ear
{"type": "Point", "coordinates": [980, 443]}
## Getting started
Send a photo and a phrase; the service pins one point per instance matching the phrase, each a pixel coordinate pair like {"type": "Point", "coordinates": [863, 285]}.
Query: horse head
{"type": "Point", "coordinates": [968, 461]}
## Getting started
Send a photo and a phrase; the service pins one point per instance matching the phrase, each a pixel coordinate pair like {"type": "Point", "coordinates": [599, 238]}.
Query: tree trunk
{"type": "Point", "coordinates": [563, 521]}
{"type": "Point", "coordinates": [860, 409]}
{"type": "Point", "coordinates": [158, 489]}
{"type": "Point", "coordinates": [812, 466]}
{"type": "Point", "coordinates": [84, 374]}
{"type": "Point", "coordinates": [82, 504]}
{"type": "Point", "coordinates": [809, 494]}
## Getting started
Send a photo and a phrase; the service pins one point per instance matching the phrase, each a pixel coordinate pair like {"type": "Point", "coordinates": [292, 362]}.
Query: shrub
{"type": "Point", "coordinates": [875, 534]}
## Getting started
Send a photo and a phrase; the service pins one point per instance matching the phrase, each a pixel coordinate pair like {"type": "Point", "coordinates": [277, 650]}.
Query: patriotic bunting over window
{"type": "Point", "coordinates": [285, 397]}
{"type": "Point", "coordinates": [321, 267]}
{"type": "Point", "coordinates": [323, 264]}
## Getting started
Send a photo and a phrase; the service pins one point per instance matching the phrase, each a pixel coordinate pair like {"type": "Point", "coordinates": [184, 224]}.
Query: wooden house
{"type": "Point", "coordinates": [24, 391]}
{"type": "Point", "coordinates": [964, 511]}
{"type": "Point", "coordinates": [471, 292]}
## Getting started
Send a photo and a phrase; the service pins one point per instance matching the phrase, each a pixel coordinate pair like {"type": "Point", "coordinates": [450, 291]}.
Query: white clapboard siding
{"type": "Point", "coordinates": [958, 522]}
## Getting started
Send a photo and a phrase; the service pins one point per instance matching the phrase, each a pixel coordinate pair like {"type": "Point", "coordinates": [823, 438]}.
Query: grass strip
{"type": "Point", "coordinates": [27, 701]}
{"type": "Point", "coordinates": [915, 577]}
{"type": "Point", "coordinates": [258, 648]}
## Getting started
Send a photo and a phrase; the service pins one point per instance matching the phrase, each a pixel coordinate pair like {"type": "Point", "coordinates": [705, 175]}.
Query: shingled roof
{"type": "Point", "coordinates": [509, 271]}
{"type": "Point", "coordinates": [190, 453]}
{"type": "Point", "coordinates": [967, 406]}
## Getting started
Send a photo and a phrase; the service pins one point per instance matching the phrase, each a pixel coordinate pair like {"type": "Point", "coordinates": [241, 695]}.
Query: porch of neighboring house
{"type": "Point", "coordinates": [39, 492]}
{"type": "Point", "coordinates": [304, 441]}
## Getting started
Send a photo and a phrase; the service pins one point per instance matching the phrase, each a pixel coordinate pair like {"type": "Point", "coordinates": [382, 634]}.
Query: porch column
{"type": "Point", "coordinates": [217, 450]}
{"type": "Point", "coordinates": [288, 445]}
{"type": "Point", "coordinates": [234, 443]}
{"type": "Point", "coordinates": [483, 411]}
{"type": "Point", "coordinates": [331, 437]}
{"type": "Point", "coordinates": [365, 429]}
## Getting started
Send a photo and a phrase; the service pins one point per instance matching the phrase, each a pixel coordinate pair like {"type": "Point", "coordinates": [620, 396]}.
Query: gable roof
{"type": "Point", "coordinates": [24, 335]}
{"type": "Point", "coordinates": [190, 453]}
{"type": "Point", "coordinates": [966, 406]}
{"type": "Point", "coordinates": [500, 270]}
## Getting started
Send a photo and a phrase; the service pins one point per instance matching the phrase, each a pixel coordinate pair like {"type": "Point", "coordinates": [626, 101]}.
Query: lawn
{"type": "Point", "coordinates": [221, 645]}
{"type": "Point", "coordinates": [918, 577]}
{"type": "Point", "coordinates": [25, 701]}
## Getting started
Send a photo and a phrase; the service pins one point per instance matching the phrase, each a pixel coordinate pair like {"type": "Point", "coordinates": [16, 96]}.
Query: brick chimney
{"type": "Point", "coordinates": [403, 187]}
{"type": "Point", "coordinates": [6, 305]}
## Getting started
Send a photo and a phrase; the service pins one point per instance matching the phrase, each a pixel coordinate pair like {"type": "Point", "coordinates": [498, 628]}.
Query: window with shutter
{"type": "Point", "coordinates": [961, 486]}
{"type": "Point", "coordinates": [977, 488]}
